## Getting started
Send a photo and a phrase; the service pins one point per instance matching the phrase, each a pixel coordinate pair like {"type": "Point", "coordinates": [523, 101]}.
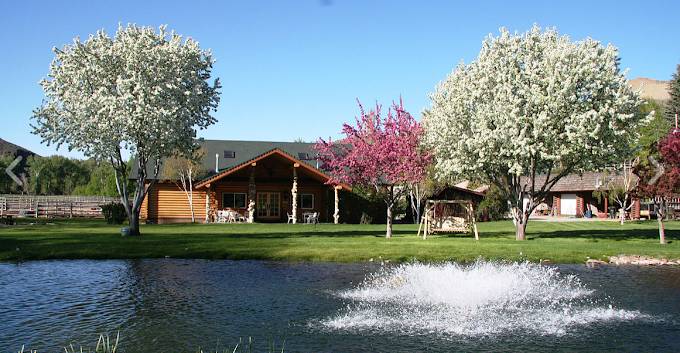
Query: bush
{"type": "Point", "coordinates": [493, 207]}
{"type": "Point", "coordinates": [114, 213]}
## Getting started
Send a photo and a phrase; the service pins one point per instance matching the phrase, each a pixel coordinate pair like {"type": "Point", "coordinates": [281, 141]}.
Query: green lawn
{"type": "Point", "coordinates": [568, 242]}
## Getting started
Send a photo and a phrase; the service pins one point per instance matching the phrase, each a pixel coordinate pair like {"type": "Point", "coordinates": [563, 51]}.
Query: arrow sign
{"type": "Point", "coordinates": [11, 166]}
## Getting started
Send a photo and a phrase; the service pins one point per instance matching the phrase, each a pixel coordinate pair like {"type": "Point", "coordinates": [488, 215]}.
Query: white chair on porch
{"type": "Point", "coordinates": [240, 218]}
{"type": "Point", "coordinates": [312, 218]}
{"type": "Point", "coordinates": [291, 218]}
{"type": "Point", "coordinates": [222, 216]}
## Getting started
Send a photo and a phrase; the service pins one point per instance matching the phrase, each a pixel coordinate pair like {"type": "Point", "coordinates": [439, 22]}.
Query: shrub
{"type": "Point", "coordinates": [493, 206]}
{"type": "Point", "coordinates": [114, 213]}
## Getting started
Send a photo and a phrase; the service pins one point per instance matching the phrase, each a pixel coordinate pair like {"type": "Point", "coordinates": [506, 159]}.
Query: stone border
{"type": "Point", "coordinates": [633, 260]}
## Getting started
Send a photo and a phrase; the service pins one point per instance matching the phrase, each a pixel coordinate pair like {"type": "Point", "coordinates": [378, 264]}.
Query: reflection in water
{"type": "Point", "coordinates": [179, 305]}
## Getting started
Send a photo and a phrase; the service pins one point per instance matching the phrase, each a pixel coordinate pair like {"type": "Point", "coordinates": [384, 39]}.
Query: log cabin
{"type": "Point", "coordinates": [283, 179]}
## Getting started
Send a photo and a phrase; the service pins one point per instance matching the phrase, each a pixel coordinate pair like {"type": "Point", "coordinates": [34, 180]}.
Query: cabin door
{"type": "Point", "coordinates": [268, 205]}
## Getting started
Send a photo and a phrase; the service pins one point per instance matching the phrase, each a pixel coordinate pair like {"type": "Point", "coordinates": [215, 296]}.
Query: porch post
{"type": "Point", "coordinates": [207, 205]}
{"type": "Point", "coordinates": [294, 193]}
{"type": "Point", "coordinates": [606, 206]}
{"type": "Point", "coordinates": [336, 211]}
{"type": "Point", "coordinates": [210, 203]}
{"type": "Point", "coordinates": [252, 193]}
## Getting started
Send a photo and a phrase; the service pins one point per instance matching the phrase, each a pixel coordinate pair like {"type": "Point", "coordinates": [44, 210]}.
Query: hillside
{"type": "Point", "coordinates": [650, 88]}
{"type": "Point", "coordinates": [8, 148]}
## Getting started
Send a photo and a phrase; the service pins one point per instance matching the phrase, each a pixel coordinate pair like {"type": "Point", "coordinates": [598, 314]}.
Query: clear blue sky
{"type": "Point", "coordinates": [293, 69]}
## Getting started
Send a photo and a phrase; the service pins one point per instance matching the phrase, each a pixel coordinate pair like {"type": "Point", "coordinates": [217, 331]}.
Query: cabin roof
{"type": "Point", "coordinates": [244, 151]}
{"type": "Point", "coordinates": [253, 161]}
{"type": "Point", "coordinates": [586, 181]}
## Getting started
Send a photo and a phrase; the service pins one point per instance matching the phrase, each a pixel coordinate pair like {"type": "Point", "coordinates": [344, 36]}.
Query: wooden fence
{"type": "Point", "coordinates": [54, 206]}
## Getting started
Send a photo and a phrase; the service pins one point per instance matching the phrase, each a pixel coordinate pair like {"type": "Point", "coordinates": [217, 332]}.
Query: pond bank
{"type": "Point", "coordinates": [638, 260]}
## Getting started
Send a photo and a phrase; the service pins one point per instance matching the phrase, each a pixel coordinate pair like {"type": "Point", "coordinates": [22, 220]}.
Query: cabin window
{"type": "Point", "coordinates": [307, 201]}
{"type": "Point", "coordinates": [303, 156]}
{"type": "Point", "coordinates": [229, 154]}
{"type": "Point", "coordinates": [233, 200]}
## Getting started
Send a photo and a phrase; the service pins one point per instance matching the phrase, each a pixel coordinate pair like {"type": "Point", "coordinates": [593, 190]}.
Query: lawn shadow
{"type": "Point", "coordinates": [604, 234]}
{"type": "Point", "coordinates": [306, 234]}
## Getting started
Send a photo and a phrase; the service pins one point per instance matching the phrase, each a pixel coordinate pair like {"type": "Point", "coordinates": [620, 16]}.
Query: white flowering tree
{"type": "Point", "coordinates": [142, 92]}
{"type": "Point", "coordinates": [531, 108]}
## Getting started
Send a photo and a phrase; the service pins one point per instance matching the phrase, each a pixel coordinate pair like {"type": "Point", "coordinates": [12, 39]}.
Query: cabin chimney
{"type": "Point", "coordinates": [217, 162]}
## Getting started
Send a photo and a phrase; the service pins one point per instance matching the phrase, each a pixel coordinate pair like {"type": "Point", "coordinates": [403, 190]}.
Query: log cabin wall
{"type": "Point", "coordinates": [167, 203]}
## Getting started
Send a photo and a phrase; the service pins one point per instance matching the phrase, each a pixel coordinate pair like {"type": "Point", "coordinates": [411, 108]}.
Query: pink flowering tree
{"type": "Point", "coordinates": [661, 179]}
{"type": "Point", "coordinates": [380, 153]}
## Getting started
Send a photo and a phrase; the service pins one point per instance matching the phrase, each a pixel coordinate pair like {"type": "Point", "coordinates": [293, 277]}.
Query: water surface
{"type": "Point", "coordinates": [178, 305]}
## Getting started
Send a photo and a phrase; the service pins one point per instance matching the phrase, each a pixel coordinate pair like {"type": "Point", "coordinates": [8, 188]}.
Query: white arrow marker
{"type": "Point", "coordinates": [659, 170]}
{"type": "Point", "coordinates": [11, 166]}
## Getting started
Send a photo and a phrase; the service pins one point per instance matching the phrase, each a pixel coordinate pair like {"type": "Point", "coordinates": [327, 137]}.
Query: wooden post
{"type": "Point", "coordinates": [426, 221]}
{"type": "Point", "coordinates": [252, 193]}
{"type": "Point", "coordinates": [427, 224]}
{"type": "Point", "coordinates": [606, 206]}
{"type": "Point", "coordinates": [336, 211]}
{"type": "Point", "coordinates": [207, 205]}
{"type": "Point", "coordinates": [474, 223]}
{"type": "Point", "coordinates": [70, 210]}
{"type": "Point", "coordinates": [294, 193]}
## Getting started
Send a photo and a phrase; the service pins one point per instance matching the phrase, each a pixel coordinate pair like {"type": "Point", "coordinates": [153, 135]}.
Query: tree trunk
{"type": "Point", "coordinates": [389, 201]}
{"type": "Point", "coordinates": [388, 235]}
{"type": "Point", "coordinates": [520, 231]}
{"type": "Point", "coordinates": [521, 219]}
{"type": "Point", "coordinates": [191, 206]}
{"type": "Point", "coordinates": [622, 215]}
{"type": "Point", "coordinates": [132, 211]}
{"type": "Point", "coordinates": [134, 223]}
{"type": "Point", "coordinates": [191, 197]}
{"type": "Point", "coordinates": [123, 193]}
{"type": "Point", "coordinates": [662, 231]}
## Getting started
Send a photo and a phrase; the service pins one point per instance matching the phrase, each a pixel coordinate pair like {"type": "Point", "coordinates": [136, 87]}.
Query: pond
{"type": "Point", "coordinates": [174, 305]}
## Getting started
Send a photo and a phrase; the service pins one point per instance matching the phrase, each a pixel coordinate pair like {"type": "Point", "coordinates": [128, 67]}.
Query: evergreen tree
{"type": "Point", "coordinates": [673, 106]}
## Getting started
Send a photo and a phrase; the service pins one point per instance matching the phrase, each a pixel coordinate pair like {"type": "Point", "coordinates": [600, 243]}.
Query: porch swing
{"type": "Point", "coordinates": [448, 216]}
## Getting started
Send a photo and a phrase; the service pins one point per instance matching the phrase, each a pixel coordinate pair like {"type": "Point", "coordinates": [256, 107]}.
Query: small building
{"type": "Point", "coordinates": [572, 196]}
{"type": "Point", "coordinates": [243, 171]}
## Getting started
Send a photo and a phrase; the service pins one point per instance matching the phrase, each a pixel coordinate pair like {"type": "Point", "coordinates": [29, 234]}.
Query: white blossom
{"type": "Point", "coordinates": [531, 103]}
{"type": "Point", "coordinates": [141, 91]}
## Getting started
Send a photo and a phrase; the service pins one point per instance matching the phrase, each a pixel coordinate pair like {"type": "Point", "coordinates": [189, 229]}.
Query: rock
{"type": "Point", "coordinates": [641, 260]}
{"type": "Point", "coordinates": [594, 262]}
